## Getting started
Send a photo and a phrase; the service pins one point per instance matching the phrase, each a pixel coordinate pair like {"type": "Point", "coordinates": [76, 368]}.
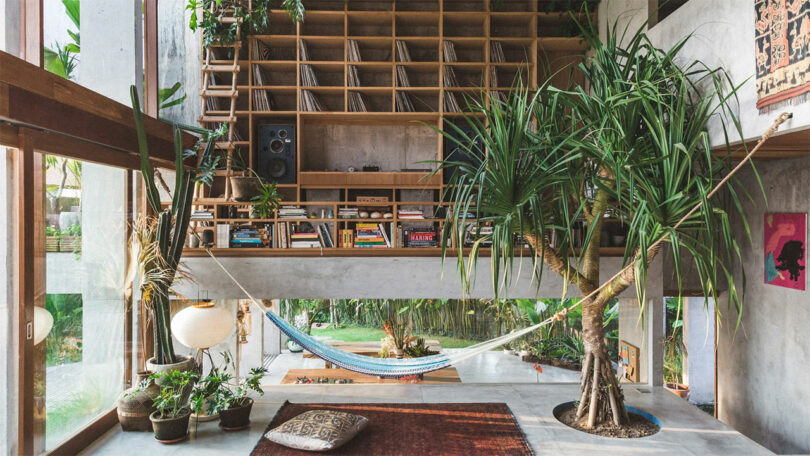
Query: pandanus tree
{"type": "Point", "coordinates": [160, 238]}
{"type": "Point", "coordinates": [631, 144]}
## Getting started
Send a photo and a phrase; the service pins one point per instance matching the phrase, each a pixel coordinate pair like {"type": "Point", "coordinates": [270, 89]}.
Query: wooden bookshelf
{"type": "Point", "coordinates": [328, 142]}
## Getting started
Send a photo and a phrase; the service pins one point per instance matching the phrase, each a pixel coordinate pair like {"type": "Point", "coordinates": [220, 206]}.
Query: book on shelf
{"type": "Point", "coordinates": [202, 215]}
{"type": "Point", "coordinates": [370, 235]}
{"type": "Point", "coordinates": [246, 236]}
{"type": "Point", "coordinates": [325, 236]}
{"type": "Point", "coordinates": [404, 103]}
{"type": "Point", "coordinates": [402, 77]}
{"type": "Point", "coordinates": [346, 239]}
{"type": "Point", "coordinates": [402, 51]}
{"type": "Point", "coordinates": [260, 50]}
{"type": "Point", "coordinates": [493, 77]}
{"type": "Point", "coordinates": [496, 52]}
{"type": "Point", "coordinates": [410, 214]}
{"type": "Point", "coordinates": [353, 51]}
{"type": "Point", "coordinates": [451, 103]}
{"type": "Point", "coordinates": [308, 77]}
{"type": "Point", "coordinates": [449, 51]}
{"type": "Point", "coordinates": [309, 102]}
{"type": "Point", "coordinates": [261, 98]}
{"type": "Point", "coordinates": [353, 77]}
{"type": "Point", "coordinates": [449, 77]}
{"type": "Point", "coordinates": [303, 50]}
{"type": "Point", "coordinates": [420, 238]}
{"type": "Point", "coordinates": [356, 102]}
{"type": "Point", "coordinates": [223, 234]}
{"type": "Point", "coordinates": [348, 212]}
{"type": "Point", "coordinates": [292, 212]}
{"type": "Point", "coordinates": [282, 235]}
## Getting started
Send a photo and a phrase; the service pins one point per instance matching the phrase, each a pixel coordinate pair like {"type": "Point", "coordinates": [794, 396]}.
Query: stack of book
{"type": "Point", "coordinates": [371, 235]}
{"type": "Point", "coordinates": [261, 99]}
{"type": "Point", "coordinates": [356, 103]}
{"type": "Point", "coordinates": [303, 49]}
{"type": "Point", "coordinates": [496, 52]}
{"type": "Point", "coordinates": [449, 52]}
{"type": "Point", "coordinates": [402, 51]}
{"type": "Point", "coordinates": [346, 239]}
{"type": "Point", "coordinates": [308, 77]}
{"type": "Point", "coordinates": [406, 214]}
{"type": "Point", "coordinates": [202, 215]}
{"type": "Point", "coordinates": [420, 238]}
{"type": "Point", "coordinates": [474, 232]}
{"type": "Point", "coordinates": [404, 103]}
{"type": "Point", "coordinates": [304, 240]}
{"type": "Point", "coordinates": [309, 102]}
{"type": "Point", "coordinates": [353, 51]}
{"type": "Point", "coordinates": [348, 212]}
{"type": "Point", "coordinates": [292, 212]}
{"type": "Point", "coordinates": [246, 236]}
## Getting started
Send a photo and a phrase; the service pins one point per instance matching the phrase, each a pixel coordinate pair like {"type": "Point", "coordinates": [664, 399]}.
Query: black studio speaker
{"type": "Point", "coordinates": [277, 153]}
{"type": "Point", "coordinates": [467, 152]}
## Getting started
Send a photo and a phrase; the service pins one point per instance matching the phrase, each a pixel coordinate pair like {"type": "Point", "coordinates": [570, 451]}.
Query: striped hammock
{"type": "Point", "coordinates": [382, 367]}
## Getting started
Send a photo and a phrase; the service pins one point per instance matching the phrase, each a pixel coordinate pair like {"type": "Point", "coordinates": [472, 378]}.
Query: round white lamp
{"type": "Point", "coordinates": [202, 325]}
{"type": "Point", "coordinates": [43, 322]}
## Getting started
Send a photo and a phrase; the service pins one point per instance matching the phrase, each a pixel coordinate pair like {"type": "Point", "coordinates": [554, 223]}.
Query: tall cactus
{"type": "Point", "coordinates": [171, 224]}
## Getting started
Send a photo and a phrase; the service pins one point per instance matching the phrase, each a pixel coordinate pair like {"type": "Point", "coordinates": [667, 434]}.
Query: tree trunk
{"type": "Point", "coordinates": [601, 398]}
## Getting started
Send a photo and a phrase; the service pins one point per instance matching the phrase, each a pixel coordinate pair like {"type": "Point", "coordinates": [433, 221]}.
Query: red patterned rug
{"type": "Point", "coordinates": [465, 429]}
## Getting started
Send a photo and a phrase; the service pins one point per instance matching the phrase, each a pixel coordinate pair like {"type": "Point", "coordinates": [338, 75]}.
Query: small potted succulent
{"type": "Point", "coordinates": [216, 393]}
{"type": "Point", "coordinates": [171, 417]}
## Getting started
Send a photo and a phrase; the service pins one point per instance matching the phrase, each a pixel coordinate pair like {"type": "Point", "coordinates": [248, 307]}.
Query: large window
{"type": "Point", "coordinates": [86, 255]}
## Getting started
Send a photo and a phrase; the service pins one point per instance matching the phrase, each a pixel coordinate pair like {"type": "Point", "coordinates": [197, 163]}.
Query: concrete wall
{"type": "Point", "coordinates": [178, 61]}
{"type": "Point", "coordinates": [407, 277]}
{"type": "Point", "coordinates": [762, 372]}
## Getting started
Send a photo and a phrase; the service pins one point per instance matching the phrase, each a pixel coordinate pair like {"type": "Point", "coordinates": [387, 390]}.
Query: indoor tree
{"type": "Point", "coordinates": [631, 144]}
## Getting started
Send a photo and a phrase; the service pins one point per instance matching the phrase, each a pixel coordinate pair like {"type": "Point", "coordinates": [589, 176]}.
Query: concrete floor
{"type": "Point", "coordinates": [488, 367]}
{"type": "Point", "coordinates": [686, 430]}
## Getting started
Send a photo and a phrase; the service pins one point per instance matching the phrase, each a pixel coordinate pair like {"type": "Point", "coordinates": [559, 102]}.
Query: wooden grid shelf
{"type": "Point", "coordinates": [531, 40]}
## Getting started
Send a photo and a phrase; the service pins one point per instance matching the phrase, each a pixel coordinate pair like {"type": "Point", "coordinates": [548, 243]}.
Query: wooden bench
{"type": "Point", "coordinates": [446, 375]}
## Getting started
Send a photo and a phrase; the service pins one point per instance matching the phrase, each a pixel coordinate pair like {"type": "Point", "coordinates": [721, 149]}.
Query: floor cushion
{"type": "Point", "coordinates": [318, 430]}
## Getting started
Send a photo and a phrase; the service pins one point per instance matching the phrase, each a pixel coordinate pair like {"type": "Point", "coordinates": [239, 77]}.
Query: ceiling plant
{"type": "Point", "coordinates": [254, 20]}
{"type": "Point", "coordinates": [631, 144]}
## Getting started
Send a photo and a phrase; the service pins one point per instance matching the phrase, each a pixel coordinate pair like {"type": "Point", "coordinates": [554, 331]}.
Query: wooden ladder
{"type": "Point", "coordinates": [210, 67]}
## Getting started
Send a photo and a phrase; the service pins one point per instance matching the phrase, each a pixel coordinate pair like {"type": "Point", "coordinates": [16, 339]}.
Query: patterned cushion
{"type": "Point", "coordinates": [318, 430]}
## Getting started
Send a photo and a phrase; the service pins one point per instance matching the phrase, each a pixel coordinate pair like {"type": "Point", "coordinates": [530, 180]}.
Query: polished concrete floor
{"type": "Point", "coordinates": [488, 367]}
{"type": "Point", "coordinates": [686, 429]}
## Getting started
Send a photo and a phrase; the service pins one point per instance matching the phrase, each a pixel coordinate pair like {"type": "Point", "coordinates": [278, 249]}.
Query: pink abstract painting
{"type": "Point", "coordinates": [785, 240]}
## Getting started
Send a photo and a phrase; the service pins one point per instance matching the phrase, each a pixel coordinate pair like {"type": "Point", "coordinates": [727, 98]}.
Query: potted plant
{"type": "Point", "coordinates": [170, 419]}
{"type": "Point", "coordinates": [399, 334]}
{"type": "Point", "coordinates": [51, 239]}
{"type": "Point", "coordinates": [70, 239]}
{"type": "Point", "coordinates": [160, 239]}
{"type": "Point", "coordinates": [230, 399]}
{"type": "Point", "coordinates": [265, 203]}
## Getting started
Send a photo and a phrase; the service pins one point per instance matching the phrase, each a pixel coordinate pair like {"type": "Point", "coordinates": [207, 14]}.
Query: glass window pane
{"type": "Point", "coordinates": [86, 248]}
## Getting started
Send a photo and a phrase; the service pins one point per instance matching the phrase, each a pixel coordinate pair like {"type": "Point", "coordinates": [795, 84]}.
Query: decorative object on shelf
{"type": "Point", "coordinates": [371, 168]}
{"type": "Point", "coordinates": [388, 215]}
{"type": "Point", "coordinates": [137, 403]}
{"type": "Point", "coordinates": [351, 169]}
{"type": "Point", "coordinates": [43, 322]}
{"type": "Point", "coordinates": [245, 188]}
{"type": "Point", "coordinates": [375, 215]}
{"type": "Point", "coordinates": [208, 238]}
{"type": "Point", "coordinates": [363, 214]}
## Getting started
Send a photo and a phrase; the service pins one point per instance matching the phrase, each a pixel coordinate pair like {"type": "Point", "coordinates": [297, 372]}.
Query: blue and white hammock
{"type": "Point", "coordinates": [382, 367]}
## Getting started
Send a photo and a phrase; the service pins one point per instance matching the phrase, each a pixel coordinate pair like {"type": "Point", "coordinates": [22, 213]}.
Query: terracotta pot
{"type": "Point", "coordinates": [134, 408]}
{"type": "Point", "coordinates": [235, 419]}
{"type": "Point", "coordinates": [678, 389]}
{"type": "Point", "coordinates": [170, 430]}
{"type": "Point", "coordinates": [244, 187]}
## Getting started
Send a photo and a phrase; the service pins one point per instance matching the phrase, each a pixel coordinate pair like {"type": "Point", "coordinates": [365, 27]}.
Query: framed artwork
{"type": "Point", "coordinates": [628, 361]}
{"type": "Point", "coordinates": [785, 240]}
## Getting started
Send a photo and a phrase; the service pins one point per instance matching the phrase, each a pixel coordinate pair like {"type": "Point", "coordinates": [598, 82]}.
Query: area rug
{"type": "Point", "coordinates": [466, 429]}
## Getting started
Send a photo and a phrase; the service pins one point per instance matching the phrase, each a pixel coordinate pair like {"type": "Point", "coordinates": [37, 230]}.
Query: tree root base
{"type": "Point", "coordinates": [638, 426]}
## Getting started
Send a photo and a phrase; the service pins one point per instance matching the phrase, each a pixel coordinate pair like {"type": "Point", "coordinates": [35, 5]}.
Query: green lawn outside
{"type": "Point", "coordinates": [362, 334]}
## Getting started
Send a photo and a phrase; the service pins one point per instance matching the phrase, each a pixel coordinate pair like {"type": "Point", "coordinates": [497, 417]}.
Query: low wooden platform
{"type": "Point", "coordinates": [446, 375]}
{"type": "Point", "coordinates": [367, 348]}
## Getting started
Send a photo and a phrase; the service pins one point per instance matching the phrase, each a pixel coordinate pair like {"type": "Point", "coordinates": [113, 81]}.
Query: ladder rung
{"type": "Point", "coordinates": [221, 68]}
{"type": "Point", "coordinates": [220, 119]}
{"type": "Point", "coordinates": [225, 145]}
{"type": "Point", "coordinates": [220, 93]}
{"type": "Point", "coordinates": [235, 44]}
{"type": "Point", "coordinates": [230, 20]}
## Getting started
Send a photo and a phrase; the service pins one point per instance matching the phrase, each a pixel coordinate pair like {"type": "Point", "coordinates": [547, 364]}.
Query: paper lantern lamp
{"type": "Point", "coordinates": [202, 325]}
{"type": "Point", "coordinates": [43, 322]}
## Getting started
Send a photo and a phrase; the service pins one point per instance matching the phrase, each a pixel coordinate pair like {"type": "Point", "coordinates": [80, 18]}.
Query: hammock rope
{"type": "Point", "coordinates": [390, 367]}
